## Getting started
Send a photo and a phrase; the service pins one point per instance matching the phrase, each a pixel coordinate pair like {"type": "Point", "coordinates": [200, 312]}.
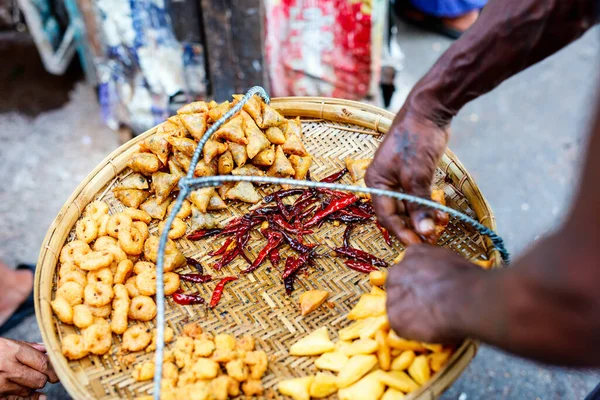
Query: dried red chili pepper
{"type": "Point", "coordinates": [274, 239]}
{"type": "Point", "coordinates": [347, 232]}
{"type": "Point", "coordinates": [283, 224]}
{"type": "Point", "coordinates": [218, 292]}
{"type": "Point", "coordinates": [282, 193]}
{"type": "Point", "coordinates": [195, 263]}
{"type": "Point", "coordinates": [282, 209]}
{"type": "Point", "coordinates": [293, 264]}
{"type": "Point", "coordinates": [197, 278]}
{"type": "Point", "coordinates": [203, 233]}
{"type": "Point", "coordinates": [294, 244]}
{"type": "Point", "coordinates": [366, 206]}
{"type": "Point", "coordinates": [222, 249]}
{"type": "Point", "coordinates": [331, 192]}
{"type": "Point", "coordinates": [360, 266]}
{"type": "Point", "coordinates": [357, 212]}
{"type": "Point", "coordinates": [347, 219]}
{"type": "Point", "coordinates": [335, 177]}
{"type": "Point", "coordinates": [228, 257]}
{"type": "Point", "coordinates": [385, 233]}
{"type": "Point", "coordinates": [335, 205]}
{"type": "Point", "coordinates": [187, 299]}
{"type": "Point", "coordinates": [299, 207]}
{"type": "Point", "coordinates": [361, 256]}
{"type": "Point", "coordinates": [289, 284]}
{"type": "Point", "coordinates": [274, 258]}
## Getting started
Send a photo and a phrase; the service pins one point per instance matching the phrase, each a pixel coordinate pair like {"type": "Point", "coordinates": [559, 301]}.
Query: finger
{"type": "Point", "coordinates": [32, 396]}
{"type": "Point", "coordinates": [14, 390]}
{"type": "Point", "coordinates": [389, 217]}
{"type": "Point", "coordinates": [36, 360]}
{"type": "Point", "coordinates": [38, 346]}
{"type": "Point", "coordinates": [423, 218]}
{"type": "Point", "coordinates": [28, 377]}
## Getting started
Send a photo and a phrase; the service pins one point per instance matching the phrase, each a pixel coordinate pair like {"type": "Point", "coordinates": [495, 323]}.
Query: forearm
{"type": "Point", "coordinates": [508, 37]}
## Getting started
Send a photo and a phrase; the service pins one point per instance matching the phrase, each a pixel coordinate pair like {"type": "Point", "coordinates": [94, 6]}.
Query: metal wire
{"type": "Point", "coordinates": [187, 184]}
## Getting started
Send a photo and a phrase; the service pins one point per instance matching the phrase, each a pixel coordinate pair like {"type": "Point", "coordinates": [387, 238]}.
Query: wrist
{"type": "Point", "coordinates": [426, 101]}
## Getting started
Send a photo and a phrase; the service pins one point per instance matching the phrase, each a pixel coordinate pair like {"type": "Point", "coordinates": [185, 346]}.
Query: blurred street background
{"type": "Point", "coordinates": [523, 143]}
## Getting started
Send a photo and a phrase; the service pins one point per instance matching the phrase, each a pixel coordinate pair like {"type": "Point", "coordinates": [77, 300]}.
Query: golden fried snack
{"type": "Point", "coordinates": [293, 127]}
{"type": "Point", "coordinates": [177, 229]}
{"type": "Point", "coordinates": [146, 282]}
{"type": "Point", "coordinates": [131, 241]}
{"type": "Point", "coordinates": [294, 145]}
{"type": "Point", "coordinates": [67, 268]}
{"type": "Point", "coordinates": [184, 145]}
{"type": "Point", "coordinates": [116, 222]}
{"type": "Point", "coordinates": [357, 167]}
{"type": "Point", "coordinates": [194, 107]}
{"type": "Point", "coordinates": [63, 310]}
{"type": "Point", "coordinates": [232, 131]}
{"type": "Point", "coordinates": [275, 135]}
{"type": "Point", "coordinates": [225, 163]}
{"type": "Point", "coordinates": [86, 230]}
{"type": "Point", "coordinates": [213, 149]}
{"type": "Point", "coordinates": [301, 165]}
{"type": "Point", "coordinates": [201, 198]}
{"type": "Point", "coordinates": [137, 215]}
{"type": "Point", "coordinates": [72, 292]}
{"type": "Point", "coordinates": [136, 338]}
{"type": "Point", "coordinates": [98, 294]}
{"type": "Point", "coordinates": [131, 197]}
{"type": "Point", "coordinates": [249, 170]}
{"type": "Point", "coordinates": [181, 160]}
{"type": "Point", "coordinates": [281, 166]}
{"type": "Point", "coordinates": [171, 281]}
{"type": "Point", "coordinates": [265, 158]}
{"type": "Point", "coordinates": [202, 220]}
{"type": "Point", "coordinates": [111, 245]}
{"type": "Point", "coordinates": [142, 227]}
{"type": "Point", "coordinates": [73, 347]}
{"type": "Point", "coordinates": [94, 260]}
{"type": "Point", "coordinates": [134, 181]}
{"type": "Point", "coordinates": [131, 287]}
{"type": "Point", "coordinates": [257, 141]}
{"type": "Point", "coordinates": [173, 257]}
{"type": "Point", "coordinates": [101, 312]}
{"type": "Point", "coordinates": [69, 250]}
{"type": "Point", "coordinates": [121, 304]}
{"type": "Point", "coordinates": [103, 275]}
{"type": "Point", "coordinates": [95, 210]}
{"type": "Point", "coordinates": [142, 308]}
{"type": "Point", "coordinates": [203, 169]}
{"type": "Point", "coordinates": [98, 338]}
{"type": "Point", "coordinates": [258, 362]}
{"type": "Point", "coordinates": [145, 163]}
{"type": "Point", "coordinates": [216, 203]}
{"type": "Point", "coordinates": [238, 152]}
{"type": "Point", "coordinates": [102, 223]}
{"type": "Point", "coordinates": [215, 113]}
{"type": "Point", "coordinates": [195, 124]}
{"type": "Point", "coordinates": [184, 212]}
{"type": "Point", "coordinates": [154, 209]}
{"type": "Point", "coordinates": [244, 191]}
{"type": "Point", "coordinates": [143, 372]}
{"type": "Point", "coordinates": [252, 107]}
{"type": "Point", "coordinates": [169, 334]}
{"type": "Point", "coordinates": [158, 145]}
{"type": "Point", "coordinates": [82, 316]}
{"type": "Point", "coordinates": [78, 277]}
{"type": "Point", "coordinates": [163, 184]}
{"type": "Point", "coordinates": [270, 117]}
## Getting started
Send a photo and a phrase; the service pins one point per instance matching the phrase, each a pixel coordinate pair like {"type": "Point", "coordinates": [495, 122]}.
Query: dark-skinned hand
{"type": "Point", "coordinates": [419, 289]}
{"type": "Point", "coordinates": [24, 369]}
{"type": "Point", "coordinates": [405, 162]}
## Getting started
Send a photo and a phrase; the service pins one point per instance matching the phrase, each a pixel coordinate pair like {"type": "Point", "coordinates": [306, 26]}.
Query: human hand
{"type": "Point", "coordinates": [406, 161]}
{"type": "Point", "coordinates": [427, 294]}
{"type": "Point", "coordinates": [24, 368]}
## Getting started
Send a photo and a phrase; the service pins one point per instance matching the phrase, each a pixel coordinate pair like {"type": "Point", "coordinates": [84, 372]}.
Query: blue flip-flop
{"type": "Point", "coordinates": [25, 309]}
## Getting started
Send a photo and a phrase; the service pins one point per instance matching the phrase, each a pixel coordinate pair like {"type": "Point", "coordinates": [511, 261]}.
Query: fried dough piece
{"type": "Point", "coordinates": [248, 170]}
{"type": "Point", "coordinates": [195, 124]}
{"type": "Point", "coordinates": [238, 152]}
{"type": "Point", "coordinates": [232, 131]}
{"type": "Point", "coordinates": [212, 149]}
{"type": "Point", "coordinates": [293, 145]}
{"type": "Point", "coordinates": [146, 163]}
{"type": "Point", "coordinates": [163, 184]}
{"type": "Point", "coordinates": [257, 141]}
{"type": "Point", "coordinates": [131, 197]}
{"type": "Point", "coordinates": [301, 165]}
{"type": "Point", "coordinates": [281, 166]}
{"type": "Point", "coordinates": [357, 168]}
{"type": "Point", "coordinates": [265, 158]}
{"type": "Point", "coordinates": [185, 145]}
{"type": "Point", "coordinates": [244, 191]}
{"type": "Point", "coordinates": [202, 220]}
{"type": "Point", "coordinates": [201, 198]}
{"type": "Point", "coordinates": [275, 135]}
{"type": "Point", "coordinates": [192, 108]}
{"type": "Point", "coordinates": [225, 163]}
{"type": "Point", "coordinates": [270, 117]}
{"type": "Point", "coordinates": [158, 145]}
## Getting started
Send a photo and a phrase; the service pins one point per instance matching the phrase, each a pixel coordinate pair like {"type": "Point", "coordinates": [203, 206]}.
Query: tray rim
{"type": "Point", "coordinates": [335, 110]}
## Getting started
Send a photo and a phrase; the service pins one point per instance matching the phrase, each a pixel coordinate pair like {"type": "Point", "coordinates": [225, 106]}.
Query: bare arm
{"type": "Point", "coordinates": [509, 36]}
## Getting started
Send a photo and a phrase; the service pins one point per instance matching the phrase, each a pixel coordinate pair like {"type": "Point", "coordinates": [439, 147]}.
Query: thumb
{"type": "Point", "coordinates": [423, 218]}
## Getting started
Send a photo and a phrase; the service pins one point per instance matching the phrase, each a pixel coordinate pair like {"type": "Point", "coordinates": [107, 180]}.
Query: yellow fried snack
{"type": "Point", "coordinates": [184, 145]}
{"type": "Point", "coordinates": [86, 229]}
{"type": "Point", "coordinates": [403, 361]}
{"type": "Point", "coordinates": [145, 163]}
{"type": "Point", "coordinates": [232, 131]}
{"type": "Point", "coordinates": [292, 127]}
{"type": "Point", "coordinates": [194, 107]}
{"type": "Point", "coordinates": [213, 149]}
{"type": "Point", "coordinates": [155, 209]}
{"type": "Point", "coordinates": [201, 198]}
{"type": "Point", "coordinates": [158, 145]}
{"type": "Point", "coordinates": [184, 212]}
{"type": "Point", "coordinates": [357, 367]}
{"type": "Point", "coordinates": [136, 338]}
{"type": "Point", "coordinates": [252, 107]}
{"type": "Point", "coordinates": [73, 347]}
{"type": "Point", "coordinates": [124, 269]}
{"type": "Point", "coordinates": [163, 184]}
{"type": "Point", "coordinates": [419, 370]}
{"type": "Point", "coordinates": [301, 165]}
{"type": "Point", "coordinates": [333, 361]}
{"type": "Point", "coordinates": [98, 338]}
{"type": "Point", "coordinates": [265, 158]}
{"type": "Point", "coordinates": [63, 310]}
{"type": "Point", "coordinates": [142, 308]}
{"type": "Point", "coordinates": [248, 170]}
{"type": "Point", "coordinates": [121, 304]}
{"type": "Point", "coordinates": [216, 112]}
{"type": "Point", "coordinates": [311, 300]}
{"type": "Point", "coordinates": [323, 385]}
{"type": "Point", "coordinates": [216, 203]}
{"type": "Point", "coordinates": [131, 197]}
{"type": "Point", "coordinates": [357, 168]}
{"type": "Point", "coordinates": [275, 135]}
{"type": "Point", "coordinates": [281, 167]}
{"type": "Point", "coordinates": [98, 294]}
{"type": "Point", "coordinates": [117, 222]}
{"type": "Point", "coordinates": [238, 152]}
{"type": "Point", "coordinates": [95, 210]}
{"type": "Point", "coordinates": [244, 191]}
{"type": "Point", "coordinates": [314, 343]}
{"type": "Point", "coordinates": [131, 241]}
{"type": "Point", "coordinates": [257, 141]}
{"type": "Point", "coordinates": [177, 229]}
{"type": "Point", "coordinates": [82, 316]}
{"type": "Point", "coordinates": [270, 117]}
{"type": "Point", "coordinates": [72, 292]}
{"type": "Point", "coordinates": [202, 220]}
{"type": "Point", "coordinates": [195, 124]}
{"type": "Point", "coordinates": [69, 250]}
{"type": "Point", "coordinates": [173, 257]}
{"type": "Point", "coordinates": [143, 372]}
{"type": "Point", "coordinates": [297, 388]}
{"type": "Point", "coordinates": [293, 145]}
{"type": "Point", "coordinates": [103, 275]}
{"type": "Point", "coordinates": [368, 387]}
{"type": "Point", "coordinates": [225, 163]}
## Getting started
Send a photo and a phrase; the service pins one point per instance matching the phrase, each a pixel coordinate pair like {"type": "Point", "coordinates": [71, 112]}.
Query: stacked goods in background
{"type": "Point", "coordinates": [324, 48]}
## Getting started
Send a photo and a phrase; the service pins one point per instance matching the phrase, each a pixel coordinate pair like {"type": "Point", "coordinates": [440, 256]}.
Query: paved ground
{"type": "Point", "coordinates": [522, 143]}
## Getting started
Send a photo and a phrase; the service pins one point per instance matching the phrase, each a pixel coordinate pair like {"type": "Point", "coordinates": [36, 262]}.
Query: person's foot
{"type": "Point", "coordinates": [463, 22]}
{"type": "Point", "coordinates": [15, 286]}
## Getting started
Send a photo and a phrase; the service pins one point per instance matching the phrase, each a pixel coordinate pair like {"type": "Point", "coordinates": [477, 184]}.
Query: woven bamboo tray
{"type": "Point", "coordinates": [257, 304]}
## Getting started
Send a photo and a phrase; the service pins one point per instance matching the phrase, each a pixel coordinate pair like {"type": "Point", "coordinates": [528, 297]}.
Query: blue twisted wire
{"type": "Point", "coordinates": [189, 182]}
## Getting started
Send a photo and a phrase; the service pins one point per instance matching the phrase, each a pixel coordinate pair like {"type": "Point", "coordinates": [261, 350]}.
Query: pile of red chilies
{"type": "Point", "coordinates": [288, 224]}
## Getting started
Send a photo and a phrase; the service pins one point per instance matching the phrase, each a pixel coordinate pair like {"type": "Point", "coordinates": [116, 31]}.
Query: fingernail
{"type": "Point", "coordinates": [426, 226]}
